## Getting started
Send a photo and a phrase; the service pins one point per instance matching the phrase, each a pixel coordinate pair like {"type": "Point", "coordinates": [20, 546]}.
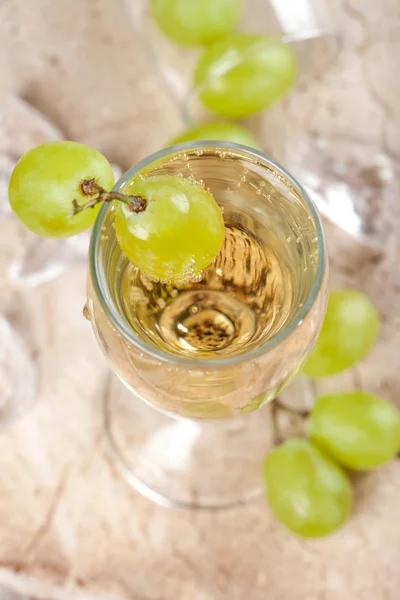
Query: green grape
{"type": "Point", "coordinates": [46, 180]}
{"type": "Point", "coordinates": [359, 430]}
{"type": "Point", "coordinates": [180, 232]}
{"type": "Point", "coordinates": [349, 329]}
{"type": "Point", "coordinates": [217, 130]}
{"type": "Point", "coordinates": [243, 74]}
{"type": "Point", "coordinates": [307, 491]}
{"type": "Point", "coordinates": [194, 22]}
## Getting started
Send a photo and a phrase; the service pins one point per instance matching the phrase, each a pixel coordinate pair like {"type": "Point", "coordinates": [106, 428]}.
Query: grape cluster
{"type": "Point", "coordinates": [169, 227]}
{"type": "Point", "coordinates": [237, 74]}
{"type": "Point", "coordinates": [306, 481]}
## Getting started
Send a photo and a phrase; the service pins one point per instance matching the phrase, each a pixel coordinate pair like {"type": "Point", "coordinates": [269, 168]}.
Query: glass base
{"type": "Point", "coordinates": [192, 464]}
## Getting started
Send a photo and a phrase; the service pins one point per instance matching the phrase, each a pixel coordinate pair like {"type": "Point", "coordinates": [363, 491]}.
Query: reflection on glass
{"type": "Point", "coordinates": [354, 184]}
{"type": "Point", "coordinates": [17, 375]}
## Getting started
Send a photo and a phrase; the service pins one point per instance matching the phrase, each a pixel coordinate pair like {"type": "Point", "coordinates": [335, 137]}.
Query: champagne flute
{"type": "Point", "coordinates": [208, 353]}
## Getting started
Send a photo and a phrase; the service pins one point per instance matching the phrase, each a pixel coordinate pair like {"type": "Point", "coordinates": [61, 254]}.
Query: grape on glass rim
{"type": "Point", "coordinates": [243, 74]}
{"type": "Point", "coordinates": [350, 328]}
{"type": "Point", "coordinates": [217, 130]}
{"type": "Point", "coordinates": [169, 227]}
{"type": "Point", "coordinates": [180, 234]}
{"type": "Point", "coordinates": [196, 22]}
{"type": "Point", "coordinates": [360, 430]}
{"type": "Point", "coordinates": [307, 491]}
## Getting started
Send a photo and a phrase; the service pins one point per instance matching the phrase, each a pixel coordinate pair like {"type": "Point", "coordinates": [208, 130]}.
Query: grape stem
{"type": "Point", "coordinates": [277, 437]}
{"type": "Point", "coordinates": [300, 412]}
{"type": "Point", "coordinates": [90, 187]}
{"type": "Point", "coordinates": [276, 406]}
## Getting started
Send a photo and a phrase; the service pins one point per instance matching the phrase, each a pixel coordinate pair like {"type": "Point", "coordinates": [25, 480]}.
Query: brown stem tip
{"type": "Point", "coordinates": [299, 412]}
{"type": "Point", "coordinates": [276, 406]}
{"type": "Point", "coordinates": [137, 204]}
{"type": "Point", "coordinates": [90, 187]}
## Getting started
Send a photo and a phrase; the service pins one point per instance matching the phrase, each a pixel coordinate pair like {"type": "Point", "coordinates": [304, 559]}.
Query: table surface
{"type": "Point", "coordinates": [69, 526]}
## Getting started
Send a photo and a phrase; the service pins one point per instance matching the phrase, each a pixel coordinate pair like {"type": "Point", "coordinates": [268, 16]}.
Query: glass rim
{"type": "Point", "coordinates": [100, 285]}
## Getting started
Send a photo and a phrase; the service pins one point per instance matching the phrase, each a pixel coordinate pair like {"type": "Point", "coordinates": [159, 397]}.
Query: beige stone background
{"type": "Point", "coordinates": [70, 528]}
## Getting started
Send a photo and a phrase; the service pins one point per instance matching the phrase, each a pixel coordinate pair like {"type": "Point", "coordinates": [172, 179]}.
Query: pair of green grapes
{"type": "Point", "coordinates": [237, 74]}
{"type": "Point", "coordinates": [307, 486]}
{"type": "Point", "coordinates": [169, 227]}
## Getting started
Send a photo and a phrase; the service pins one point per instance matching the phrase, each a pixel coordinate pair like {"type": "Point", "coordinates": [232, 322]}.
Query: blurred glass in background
{"type": "Point", "coordinates": [306, 28]}
{"type": "Point", "coordinates": [232, 76]}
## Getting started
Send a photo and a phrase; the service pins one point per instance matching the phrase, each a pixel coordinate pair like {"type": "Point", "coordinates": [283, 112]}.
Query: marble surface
{"type": "Point", "coordinates": [70, 527]}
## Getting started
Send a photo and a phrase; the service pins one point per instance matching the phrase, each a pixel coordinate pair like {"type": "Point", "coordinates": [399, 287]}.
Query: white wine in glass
{"type": "Point", "coordinates": [217, 347]}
